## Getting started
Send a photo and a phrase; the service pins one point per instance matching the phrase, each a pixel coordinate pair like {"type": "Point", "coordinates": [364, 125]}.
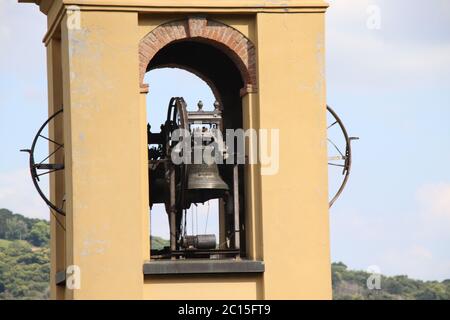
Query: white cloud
{"type": "Point", "coordinates": [17, 194]}
{"type": "Point", "coordinates": [23, 71]}
{"type": "Point", "coordinates": [22, 28]}
{"type": "Point", "coordinates": [420, 252]}
{"type": "Point", "coordinates": [435, 201]}
{"type": "Point", "coordinates": [414, 242]}
{"type": "Point", "coordinates": [416, 261]}
{"type": "Point", "coordinates": [413, 50]}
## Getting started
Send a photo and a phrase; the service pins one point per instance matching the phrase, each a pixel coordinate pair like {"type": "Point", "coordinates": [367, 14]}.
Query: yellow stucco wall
{"type": "Point", "coordinates": [241, 287]}
{"type": "Point", "coordinates": [106, 166]}
{"type": "Point", "coordinates": [107, 155]}
{"type": "Point", "coordinates": [56, 132]}
{"type": "Point", "coordinates": [294, 201]}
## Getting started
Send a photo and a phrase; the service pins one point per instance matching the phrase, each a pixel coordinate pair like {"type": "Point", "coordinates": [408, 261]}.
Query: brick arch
{"type": "Point", "coordinates": [238, 47]}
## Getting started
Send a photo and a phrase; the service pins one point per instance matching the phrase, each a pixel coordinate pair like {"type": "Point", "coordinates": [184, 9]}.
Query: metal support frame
{"type": "Point", "coordinates": [173, 238]}
{"type": "Point", "coordinates": [236, 208]}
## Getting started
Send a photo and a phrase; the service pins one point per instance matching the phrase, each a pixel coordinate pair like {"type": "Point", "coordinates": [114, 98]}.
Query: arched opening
{"type": "Point", "coordinates": [238, 48]}
{"type": "Point", "coordinates": [212, 65]}
{"type": "Point", "coordinates": [195, 70]}
{"type": "Point", "coordinates": [167, 83]}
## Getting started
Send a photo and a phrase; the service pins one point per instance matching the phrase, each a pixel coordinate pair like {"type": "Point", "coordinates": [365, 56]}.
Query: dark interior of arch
{"type": "Point", "coordinates": [220, 71]}
{"type": "Point", "coordinates": [213, 64]}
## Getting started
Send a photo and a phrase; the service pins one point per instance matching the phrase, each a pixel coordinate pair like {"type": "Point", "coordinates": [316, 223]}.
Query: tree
{"type": "Point", "coordinates": [16, 229]}
{"type": "Point", "coordinates": [4, 216]}
{"type": "Point", "coordinates": [39, 234]}
{"type": "Point", "coordinates": [24, 272]}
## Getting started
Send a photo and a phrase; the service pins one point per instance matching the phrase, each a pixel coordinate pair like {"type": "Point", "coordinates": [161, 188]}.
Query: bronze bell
{"type": "Point", "coordinates": [205, 182]}
{"type": "Point", "coordinates": [205, 176]}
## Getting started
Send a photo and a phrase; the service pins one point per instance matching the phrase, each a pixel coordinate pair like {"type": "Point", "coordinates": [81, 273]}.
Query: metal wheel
{"type": "Point", "coordinates": [47, 166]}
{"type": "Point", "coordinates": [339, 152]}
{"type": "Point", "coordinates": [176, 118]}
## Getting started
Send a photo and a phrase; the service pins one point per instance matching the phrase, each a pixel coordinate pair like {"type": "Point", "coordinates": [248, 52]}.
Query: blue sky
{"type": "Point", "coordinates": [390, 85]}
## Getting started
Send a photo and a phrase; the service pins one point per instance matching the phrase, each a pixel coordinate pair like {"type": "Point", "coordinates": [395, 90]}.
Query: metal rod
{"type": "Point", "coordinates": [56, 150]}
{"type": "Point", "coordinates": [332, 124]}
{"type": "Point", "coordinates": [49, 166]}
{"type": "Point", "coordinates": [336, 165]}
{"type": "Point", "coordinates": [236, 207]}
{"type": "Point", "coordinates": [48, 139]}
{"type": "Point", "coordinates": [173, 231]}
{"type": "Point", "coordinates": [48, 172]}
{"type": "Point", "coordinates": [336, 147]}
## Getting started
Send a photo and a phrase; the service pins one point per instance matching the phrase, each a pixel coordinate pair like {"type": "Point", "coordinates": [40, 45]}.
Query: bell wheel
{"type": "Point", "coordinates": [46, 159]}
{"type": "Point", "coordinates": [339, 155]}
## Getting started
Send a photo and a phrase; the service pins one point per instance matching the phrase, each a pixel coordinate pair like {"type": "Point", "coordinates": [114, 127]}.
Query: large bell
{"type": "Point", "coordinates": [204, 182]}
{"type": "Point", "coordinates": [205, 176]}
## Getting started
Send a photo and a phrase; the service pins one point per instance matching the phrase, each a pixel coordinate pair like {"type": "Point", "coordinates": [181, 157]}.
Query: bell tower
{"type": "Point", "coordinates": [264, 61]}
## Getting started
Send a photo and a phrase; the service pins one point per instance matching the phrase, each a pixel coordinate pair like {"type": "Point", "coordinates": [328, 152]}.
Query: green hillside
{"type": "Point", "coordinates": [159, 243]}
{"type": "Point", "coordinates": [24, 257]}
{"type": "Point", "coordinates": [352, 285]}
{"type": "Point", "coordinates": [25, 268]}
{"type": "Point", "coordinates": [4, 243]}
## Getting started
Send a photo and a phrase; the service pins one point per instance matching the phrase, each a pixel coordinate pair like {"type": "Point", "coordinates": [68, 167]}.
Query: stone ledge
{"type": "Point", "coordinates": [202, 266]}
{"type": "Point", "coordinates": [60, 278]}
